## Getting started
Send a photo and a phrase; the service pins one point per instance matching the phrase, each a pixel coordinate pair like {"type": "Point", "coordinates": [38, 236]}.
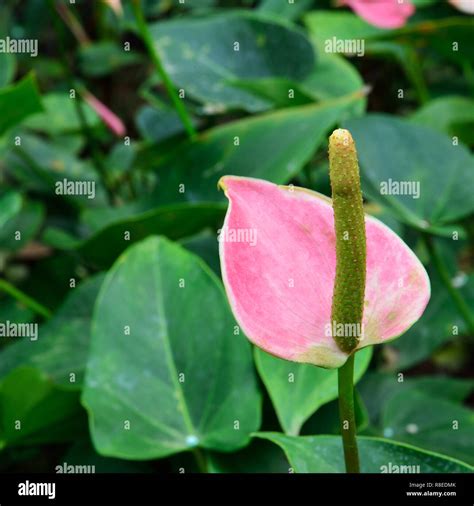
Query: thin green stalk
{"type": "Point", "coordinates": [445, 276]}
{"type": "Point", "coordinates": [347, 415]}
{"type": "Point", "coordinates": [148, 41]}
{"type": "Point", "coordinates": [349, 285]}
{"type": "Point", "coordinates": [28, 301]}
{"type": "Point", "coordinates": [201, 460]}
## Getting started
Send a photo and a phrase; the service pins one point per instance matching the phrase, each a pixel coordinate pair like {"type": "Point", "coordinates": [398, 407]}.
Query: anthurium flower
{"type": "Point", "coordinates": [278, 260]}
{"type": "Point", "coordinates": [382, 13]}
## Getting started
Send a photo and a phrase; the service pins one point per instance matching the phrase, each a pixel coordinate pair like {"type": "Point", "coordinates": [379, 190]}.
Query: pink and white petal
{"type": "Point", "coordinates": [388, 14]}
{"type": "Point", "coordinates": [277, 287]}
{"type": "Point", "coordinates": [280, 283]}
{"type": "Point", "coordinates": [397, 287]}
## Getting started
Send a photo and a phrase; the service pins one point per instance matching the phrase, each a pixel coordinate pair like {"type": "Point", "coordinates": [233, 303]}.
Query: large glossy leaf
{"type": "Point", "coordinates": [60, 353]}
{"type": "Point", "coordinates": [298, 390]}
{"type": "Point", "coordinates": [418, 155]}
{"type": "Point", "coordinates": [430, 422]}
{"type": "Point", "coordinates": [204, 74]}
{"type": "Point", "coordinates": [324, 454]}
{"type": "Point", "coordinates": [164, 357]}
{"type": "Point", "coordinates": [332, 77]}
{"type": "Point", "coordinates": [273, 146]}
{"type": "Point", "coordinates": [18, 101]}
{"type": "Point", "coordinates": [280, 92]}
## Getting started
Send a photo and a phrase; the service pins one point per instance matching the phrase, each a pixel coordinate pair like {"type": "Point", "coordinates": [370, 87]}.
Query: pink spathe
{"type": "Point", "coordinates": [278, 261]}
{"type": "Point", "coordinates": [382, 13]}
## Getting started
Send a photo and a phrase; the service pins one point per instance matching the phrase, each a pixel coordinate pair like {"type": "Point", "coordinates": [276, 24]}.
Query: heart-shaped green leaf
{"type": "Point", "coordinates": [167, 371]}
{"type": "Point", "coordinates": [298, 390]}
{"type": "Point", "coordinates": [333, 76]}
{"type": "Point", "coordinates": [324, 454]}
{"type": "Point", "coordinates": [236, 45]}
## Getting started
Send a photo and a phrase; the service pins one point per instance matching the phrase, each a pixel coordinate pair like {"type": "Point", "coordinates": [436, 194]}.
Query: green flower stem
{"type": "Point", "coordinates": [148, 41]}
{"type": "Point", "coordinates": [347, 415]}
{"type": "Point", "coordinates": [17, 294]}
{"type": "Point", "coordinates": [349, 284]}
{"type": "Point", "coordinates": [445, 276]}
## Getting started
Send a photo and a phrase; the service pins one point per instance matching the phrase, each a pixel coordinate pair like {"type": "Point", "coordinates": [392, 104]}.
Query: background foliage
{"type": "Point", "coordinates": [139, 365]}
